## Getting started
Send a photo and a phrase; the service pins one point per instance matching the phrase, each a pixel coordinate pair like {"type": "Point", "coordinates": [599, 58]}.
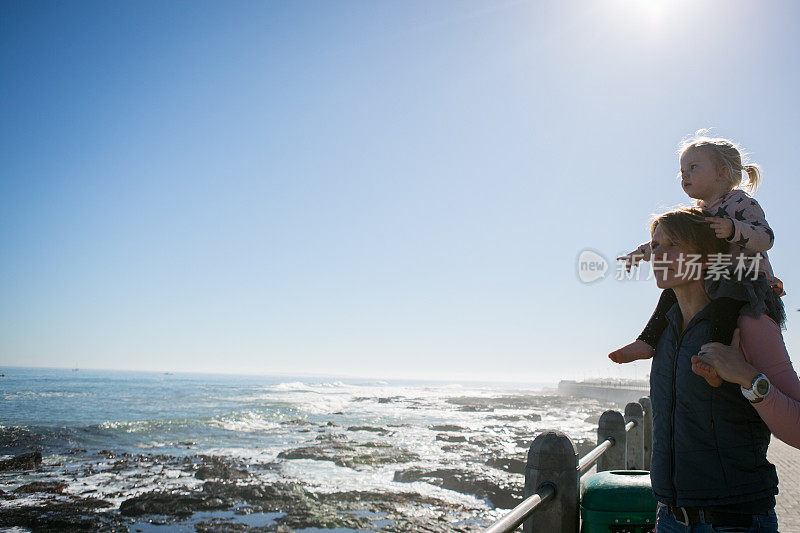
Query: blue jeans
{"type": "Point", "coordinates": [762, 523]}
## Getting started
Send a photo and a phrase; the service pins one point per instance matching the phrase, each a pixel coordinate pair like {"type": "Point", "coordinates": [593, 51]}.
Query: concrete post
{"type": "Point", "coordinates": [647, 429]}
{"type": "Point", "coordinates": [612, 425]}
{"type": "Point", "coordinates": [634, 441]}
{"type": "Point", "coordinates": [552, 459]}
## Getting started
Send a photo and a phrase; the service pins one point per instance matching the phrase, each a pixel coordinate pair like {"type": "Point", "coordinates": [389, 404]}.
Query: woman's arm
{"type": "Point", "coordinates": [761, 350]}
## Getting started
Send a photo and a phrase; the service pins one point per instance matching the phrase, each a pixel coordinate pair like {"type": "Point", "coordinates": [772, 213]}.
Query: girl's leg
{"type": "Point", "coordinates": [643, 347]}
{"type": "Point", "coordinates": [724, 317]}
{"type": "Point", "coordinates": [658, 320]}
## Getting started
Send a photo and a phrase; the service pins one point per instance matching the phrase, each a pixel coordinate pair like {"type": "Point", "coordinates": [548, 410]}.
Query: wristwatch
{"type": "Point", "coordinates": [758, 389]}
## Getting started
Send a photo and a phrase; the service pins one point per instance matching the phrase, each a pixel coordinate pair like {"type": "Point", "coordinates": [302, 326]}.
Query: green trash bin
{"type": "Point", "coordinates": [618, 501]}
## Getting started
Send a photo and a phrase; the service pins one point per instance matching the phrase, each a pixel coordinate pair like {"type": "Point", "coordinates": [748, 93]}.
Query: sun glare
{"type": "Point", "coordinates": [653, 10]}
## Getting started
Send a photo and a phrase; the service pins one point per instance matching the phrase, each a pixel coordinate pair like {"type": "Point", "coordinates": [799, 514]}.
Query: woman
{"type": "Point", "coordinates": [709, 468]}
{"type": "Point", "coordinates": [779, 404]}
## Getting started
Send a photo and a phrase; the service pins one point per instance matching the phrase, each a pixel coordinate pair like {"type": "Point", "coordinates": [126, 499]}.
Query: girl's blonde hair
{"type": "Point", "coordinates": [728, 156]}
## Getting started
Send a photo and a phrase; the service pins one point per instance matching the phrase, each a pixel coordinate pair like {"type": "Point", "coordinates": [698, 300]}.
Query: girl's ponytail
{"type": "Point", "coordinates": [753, 176]}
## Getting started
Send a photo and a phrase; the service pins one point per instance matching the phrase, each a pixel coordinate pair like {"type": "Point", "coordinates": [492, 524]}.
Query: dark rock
{"type": "Point", "coordinates": [219, 525]}
{"type": "Point", "coordinates": [447, 427]}
{"type": "Point", "coordinates": [170, 503]}
{"type": "Point", "coordinates": [42, 486]}
{"type": "Point", "coordinates": [533, 417]}
{"type": "Point", "coordinates": [331, 437]}
{"type": "Point", "coordinates": [500, 490]}
{"type": "Point", "coordinates": [501, 402]}
{"type": "Point", "coordinates": [452, 438]}
{"type": "Point", "coordinates": [351, 455]}
{"type": "Point", "coordinates": [297, 422]}
{"type": "Point", "coordinates": [26, 461]}
{"type": "Point", "coordinates": [387, 497]}
{"type": "Point", "coordinates": [508, 464]}
{"type": "Point", "coordinates": [372, 429]}
{"type": "Point", "coordinates": [483, 441]}
{"type": "Point", "coordinates": [220, 471]}
{"type": "Point", "coordinates": [76, 515]}
{"type": "Point", "coordinates": [455, 447]}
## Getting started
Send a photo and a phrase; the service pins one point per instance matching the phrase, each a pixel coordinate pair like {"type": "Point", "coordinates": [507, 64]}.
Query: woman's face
{"type": "Point", "coordinates": [671, 263]}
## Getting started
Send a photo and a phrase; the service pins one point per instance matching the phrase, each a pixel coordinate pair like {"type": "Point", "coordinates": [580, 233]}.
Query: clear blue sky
{"type": "Point", "coordinates": [388, 189]}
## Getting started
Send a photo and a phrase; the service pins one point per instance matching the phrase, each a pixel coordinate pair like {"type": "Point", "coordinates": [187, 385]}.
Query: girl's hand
{"type": "Point", "coordinates": [706, 371]}
{"type": "Point", "coordinates": [632, 259]}
{"type": "Point", "coordinates": [727, 361]}
{"type": "Point", "coordinates": [723, 227]}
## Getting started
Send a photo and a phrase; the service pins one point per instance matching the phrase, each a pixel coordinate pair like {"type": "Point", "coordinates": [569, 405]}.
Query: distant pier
{"type": "Point", "coordinates": [614, 390]}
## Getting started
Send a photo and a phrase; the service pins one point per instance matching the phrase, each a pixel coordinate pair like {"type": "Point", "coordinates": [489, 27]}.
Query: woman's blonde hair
{"type": "Point", "coordinates": [727, 156]}
{"type": "Point", "coordinates": [687, 227]}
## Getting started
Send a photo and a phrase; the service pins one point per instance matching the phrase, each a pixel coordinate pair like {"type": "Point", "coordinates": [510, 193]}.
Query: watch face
{"type": "Point", "coordinates": [761, 387]}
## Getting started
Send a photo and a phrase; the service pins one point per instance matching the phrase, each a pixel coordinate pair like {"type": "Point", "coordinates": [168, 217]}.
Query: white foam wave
{"type": "Point", "coordinates": [301, 386]}
{"type": "Point", "coordinates": [140, 426]}
{"type": "Point", "coordinates": [245, 421]}
{"type": "Point", "coordinates": [291, 385]}
{"type": "Point", "coordinates": [325, 476]}
{"type": "Point", "coordinates": [30, 395]}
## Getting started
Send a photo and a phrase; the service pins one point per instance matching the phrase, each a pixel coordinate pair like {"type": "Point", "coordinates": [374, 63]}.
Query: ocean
{"type": "Point", "coordinates": [185, 452]}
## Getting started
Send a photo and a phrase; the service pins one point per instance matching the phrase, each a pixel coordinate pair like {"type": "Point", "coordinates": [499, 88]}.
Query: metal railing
{"type": "Point", "coordinates": [553, 473]}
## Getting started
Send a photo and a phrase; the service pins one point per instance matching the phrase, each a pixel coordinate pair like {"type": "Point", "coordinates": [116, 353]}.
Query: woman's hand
{"type": "Point", "coordinates": [726, 362]}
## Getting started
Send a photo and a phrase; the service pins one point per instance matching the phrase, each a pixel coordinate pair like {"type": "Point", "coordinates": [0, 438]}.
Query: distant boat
{"type": "Point", "coordinates": [167, 373]}
{"type": "Point", "coordinates": [76, 368]}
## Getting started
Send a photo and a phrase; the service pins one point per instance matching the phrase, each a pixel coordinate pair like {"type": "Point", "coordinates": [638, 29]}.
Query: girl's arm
{"type": "Point", "coordinates": [641, 253]}
{"type": "Point", "coordinates": [750, 228]}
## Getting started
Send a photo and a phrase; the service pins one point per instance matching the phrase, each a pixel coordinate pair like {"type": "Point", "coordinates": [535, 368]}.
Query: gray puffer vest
{"type": "Point", "coordinates": [709, 444]}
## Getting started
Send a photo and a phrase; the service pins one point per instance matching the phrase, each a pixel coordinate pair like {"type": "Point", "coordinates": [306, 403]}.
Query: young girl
{"type": "Point", "coordinates": [711, 173]}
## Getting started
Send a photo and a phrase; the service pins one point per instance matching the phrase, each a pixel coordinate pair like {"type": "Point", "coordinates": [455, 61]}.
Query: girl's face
{"type": "Point", "coordinates": [700, 177]}
{"type": "Point", "coordinates": [667, 257]}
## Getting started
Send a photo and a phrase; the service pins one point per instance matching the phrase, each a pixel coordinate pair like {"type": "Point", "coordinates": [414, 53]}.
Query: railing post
{"type": "Point", "coordinates": [634, 441]}
{"type": "Point", "coordinates": [552, 459]}
{"type": "Point", "coordinates": [612, 425]}
{"type": "Point", "coordinates": [647, 429]}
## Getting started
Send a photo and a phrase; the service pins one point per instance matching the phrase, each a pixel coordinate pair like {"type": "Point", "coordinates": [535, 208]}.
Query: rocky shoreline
{"type": "Point", "coordinates": [81, 490]}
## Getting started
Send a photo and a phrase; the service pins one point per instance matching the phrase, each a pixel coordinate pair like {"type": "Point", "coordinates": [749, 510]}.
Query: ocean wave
{"type": "Point", "coordinates": [18, 439]}
{"type": "Point", "coordinates": [244, 421]}
{"type": "Point", "coordinates": [30, 395]}
{"type": "Point", "coordinates": [300, 386]}
{"type": "Point", "coordinates": [140, 426]}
